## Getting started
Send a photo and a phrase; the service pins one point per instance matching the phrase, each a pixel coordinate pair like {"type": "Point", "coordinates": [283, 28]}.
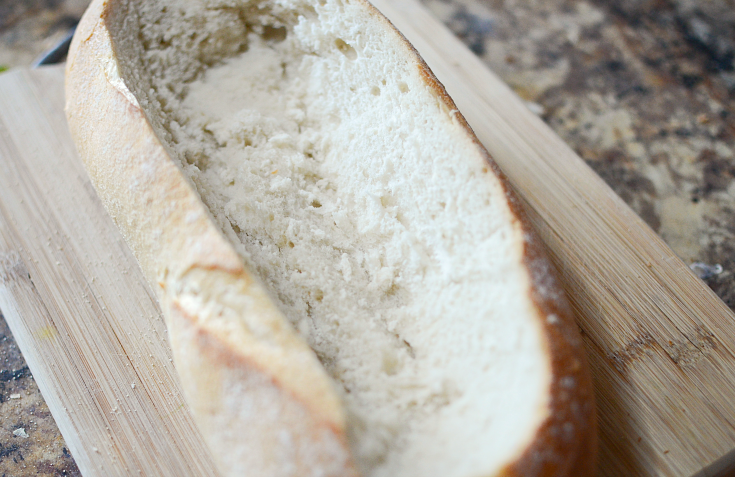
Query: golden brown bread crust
{"type": "Point", "coordinates": [566, 443]}
{"type": "Point", "coordinates": [163, 221]}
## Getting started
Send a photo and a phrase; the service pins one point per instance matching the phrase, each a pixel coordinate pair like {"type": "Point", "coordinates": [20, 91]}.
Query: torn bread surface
{"type": "Point", "coordinates": [348, 188]}
{"type": "Point", "coordinates": [380, 237]}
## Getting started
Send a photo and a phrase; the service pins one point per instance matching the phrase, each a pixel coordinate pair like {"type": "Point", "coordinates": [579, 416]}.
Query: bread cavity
{"type": "Point", "coordinates": [351, 189]}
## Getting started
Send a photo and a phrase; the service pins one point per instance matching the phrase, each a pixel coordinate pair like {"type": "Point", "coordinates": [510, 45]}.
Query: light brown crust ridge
{"type": "Point", "coordinates": [215, 378]}
{"type": "Point", "coordinates": [173, 238]}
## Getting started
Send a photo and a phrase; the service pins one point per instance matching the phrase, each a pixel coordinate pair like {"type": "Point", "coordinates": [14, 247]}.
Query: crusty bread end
{"type": "Point", "coordinates": [349, 283]}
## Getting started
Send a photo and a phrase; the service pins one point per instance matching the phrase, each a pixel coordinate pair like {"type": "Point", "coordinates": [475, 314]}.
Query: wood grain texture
{"type": "Point", "coordinates": [78, 305]}
{"type": "Point", "coordinates": [660, 342]}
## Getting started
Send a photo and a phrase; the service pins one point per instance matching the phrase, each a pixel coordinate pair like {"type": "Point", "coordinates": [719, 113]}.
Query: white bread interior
{"type": "Point", "coordinates": [357, 197]}
{"type": "Point", "coordinates": [354, 194]}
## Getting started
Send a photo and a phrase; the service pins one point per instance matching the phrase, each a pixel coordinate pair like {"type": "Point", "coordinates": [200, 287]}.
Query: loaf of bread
{"type": "Point", "coordinates": [349, 284]}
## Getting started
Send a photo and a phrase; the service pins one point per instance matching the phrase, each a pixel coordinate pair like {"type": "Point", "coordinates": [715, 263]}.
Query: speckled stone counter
{"type": "Point", "coordinates": [30, 443]}
{"type": "Point", "coordinates": [628, 85]}
{"type": "Point", "coordinates": [643, 90]}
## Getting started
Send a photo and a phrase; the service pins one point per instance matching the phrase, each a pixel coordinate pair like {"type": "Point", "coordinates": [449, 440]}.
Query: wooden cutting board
{"type": "Point", "coordinates": [660, 342]}
{"type": "Point", "coordinates": [77, 303]}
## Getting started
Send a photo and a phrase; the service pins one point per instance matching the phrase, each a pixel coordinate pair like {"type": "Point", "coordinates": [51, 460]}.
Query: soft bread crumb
{"type": "Point", "coordinates": [349, 188]}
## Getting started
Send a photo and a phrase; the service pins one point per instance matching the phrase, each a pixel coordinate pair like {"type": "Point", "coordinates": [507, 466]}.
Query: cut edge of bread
{"type": "Point", "coordinates": [134, 174]}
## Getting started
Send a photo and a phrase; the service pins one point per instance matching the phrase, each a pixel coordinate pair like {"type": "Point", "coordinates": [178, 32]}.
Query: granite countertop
{"type": "Point", "coordinates": [643, 90]}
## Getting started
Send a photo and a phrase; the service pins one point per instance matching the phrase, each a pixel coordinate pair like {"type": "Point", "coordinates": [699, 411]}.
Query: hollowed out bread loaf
{"type": "Point", "coordinates": [349, 285]}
